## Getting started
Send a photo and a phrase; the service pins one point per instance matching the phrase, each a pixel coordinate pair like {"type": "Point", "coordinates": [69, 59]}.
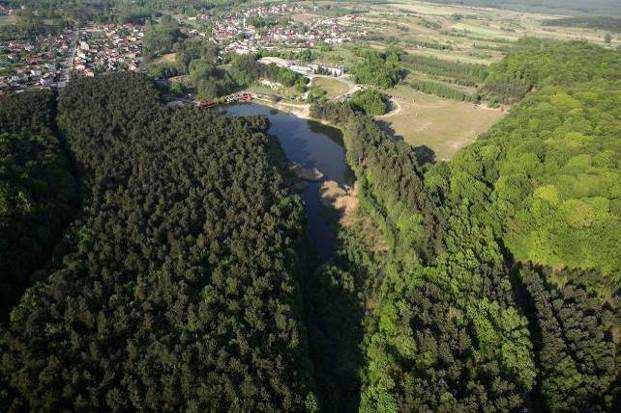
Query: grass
{"type": "Point", "coordinates": [333, 87]}
{"type": "Point", "coordinates": [443, 125]}
{"type": "Point", "coordinates": [288, 94]}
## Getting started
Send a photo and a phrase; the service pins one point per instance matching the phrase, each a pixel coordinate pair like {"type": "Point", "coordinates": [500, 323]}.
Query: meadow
{"type": "Point", "coordinates": [443, 125]}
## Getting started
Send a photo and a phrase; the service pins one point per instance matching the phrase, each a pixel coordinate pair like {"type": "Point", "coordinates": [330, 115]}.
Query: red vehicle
{"type": "Point", "coordinates": [246, 97]}
{"type": "Point", "coordinates": [202, 104]}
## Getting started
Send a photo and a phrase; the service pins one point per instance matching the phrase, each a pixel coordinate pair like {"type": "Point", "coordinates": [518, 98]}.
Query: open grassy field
{"type": "Point", "coordinates": [333, 87]}
{"type": "Point", "coordinates": [443, 125]}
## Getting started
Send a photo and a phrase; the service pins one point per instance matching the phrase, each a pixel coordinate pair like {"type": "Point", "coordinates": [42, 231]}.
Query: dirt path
{"type": "Point", "coordinates": [397, 108]}
{"type": "Point", "coordinates": [301, 110]}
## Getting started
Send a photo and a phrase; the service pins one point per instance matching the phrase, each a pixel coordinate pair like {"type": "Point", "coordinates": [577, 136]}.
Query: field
{"type": "Point", "coordinates": [443, 125]}
{"type": "Point", "coordinates": [452, 33]}
{"type": "Point", "coordinates": [167, 58]}
{"type": "Point", "coordinates": [333, 87]}
{"type": "Point", "coordinates": [6, 20]}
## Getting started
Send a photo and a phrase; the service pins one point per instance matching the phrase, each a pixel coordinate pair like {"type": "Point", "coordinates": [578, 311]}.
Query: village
{"type": "Point", "coordinates": [42, 62]}
{"type": "Point", "coordinates": [108, 48]}
{"type": "Point", "coordinates": [49, 60]}
{"type": "Point", "coordinates": [290, 26]}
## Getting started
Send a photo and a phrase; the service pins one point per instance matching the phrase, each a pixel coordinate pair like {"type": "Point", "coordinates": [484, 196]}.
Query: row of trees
{"type": "Point", "coordinates": [179, 286]}
{"type": "Point", "coordinates": [443, 90]}
{"type": "Point", "coordinates": [465, 74]}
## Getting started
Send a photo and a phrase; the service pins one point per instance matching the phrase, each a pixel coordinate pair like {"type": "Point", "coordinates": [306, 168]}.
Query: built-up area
{"type": "Point", "coordinates": [276, 26]}
{"type": "Point", "coordinates": [49, 60]}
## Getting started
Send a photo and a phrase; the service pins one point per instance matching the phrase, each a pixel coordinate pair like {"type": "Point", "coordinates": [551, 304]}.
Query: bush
{"type": "Point", "coordinates": [370, 102]}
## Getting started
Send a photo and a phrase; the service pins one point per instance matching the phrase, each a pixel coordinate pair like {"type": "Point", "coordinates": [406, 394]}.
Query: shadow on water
{"type": "Point", "coordinates": [336, 332]}
{"type": "Point", "coordinates": [333, 309]}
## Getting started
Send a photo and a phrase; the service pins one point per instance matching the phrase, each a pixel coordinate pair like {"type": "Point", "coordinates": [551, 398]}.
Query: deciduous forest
{"type": "Point", "coordinates": [500, 287]}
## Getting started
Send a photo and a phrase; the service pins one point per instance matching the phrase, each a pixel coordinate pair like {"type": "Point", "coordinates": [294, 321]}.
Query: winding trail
{"type": "Point", "coordinates": [396, 109]}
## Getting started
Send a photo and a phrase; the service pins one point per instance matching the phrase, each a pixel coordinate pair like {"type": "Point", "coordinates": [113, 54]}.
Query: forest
{"type": "Point", "coordinates": [495, 293]}
{"type": "Point", "coordinates": [38, 193]}
{"type": "Point", "coordinates": [612, 24]}
{"type": "Point", "coordinates": [380, 69]}
{"type": "Point", "coordinates": [577, 7]}
{"type": "Point", "coordinates": [157, 258]}
{"type": "Point", "coordinates": [178, 288]}
{"type": "Point", "coordinates": [466, 74]}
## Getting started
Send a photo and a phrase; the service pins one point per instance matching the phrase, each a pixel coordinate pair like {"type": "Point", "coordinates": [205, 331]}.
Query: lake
{"type": "Point", "coordinates": [312, 145]}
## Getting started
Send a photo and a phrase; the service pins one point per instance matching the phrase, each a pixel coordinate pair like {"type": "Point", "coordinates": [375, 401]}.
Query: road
{"type": "Point", "coordinates": [69, 62]}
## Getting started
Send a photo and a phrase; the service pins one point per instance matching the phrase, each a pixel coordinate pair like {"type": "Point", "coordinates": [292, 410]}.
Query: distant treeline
{"type": "Point", "coordinates": [410, 42]}
{"type": "Point", "coordinates": [512, 78]}
{"type": "Point", "coordinates": [465, 74]}
{"type": "Point", "coordinates": [598, 7]}
{"type": "Point", "coordinates": [612, 24]}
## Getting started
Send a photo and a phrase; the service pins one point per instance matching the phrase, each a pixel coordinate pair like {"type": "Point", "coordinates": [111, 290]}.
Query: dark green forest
{"type": "Point", "coordinates": [578, 7]}
{"type": "Point", "coordinates": [158, 258]}
{"type": "Point", "coordinates": [38, 193]}
{"type": "Point", "coordinates": [178, 289]}
{"type": "Point", "coordinates": [612, 24]}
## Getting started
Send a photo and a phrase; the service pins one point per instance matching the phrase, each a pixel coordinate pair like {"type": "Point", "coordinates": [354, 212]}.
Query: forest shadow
{"type": "Point", "coordinates": [385, 127]}
{"type": "Point", "coordinates": [424, 154]}
{"type": "Point", "coordinates": [334, 315]}
{"type": "Point", "coordinates": [336, 334]}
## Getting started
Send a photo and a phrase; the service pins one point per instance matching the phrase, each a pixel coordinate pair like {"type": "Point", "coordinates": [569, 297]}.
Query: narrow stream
{"type": "Point", "coordinates": [312, 145]}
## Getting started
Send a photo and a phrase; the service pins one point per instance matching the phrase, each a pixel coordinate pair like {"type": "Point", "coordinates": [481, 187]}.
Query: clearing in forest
{"type": "Point", "coordinates": [443, 125]}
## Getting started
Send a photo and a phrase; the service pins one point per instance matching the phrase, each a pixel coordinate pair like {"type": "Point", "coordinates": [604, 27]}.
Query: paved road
{"type": "Point", "coordinates": [69, 62]}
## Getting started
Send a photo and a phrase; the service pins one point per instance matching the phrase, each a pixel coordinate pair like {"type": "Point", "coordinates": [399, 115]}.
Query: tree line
{"type": "Point", "coordinates": [465, 74]}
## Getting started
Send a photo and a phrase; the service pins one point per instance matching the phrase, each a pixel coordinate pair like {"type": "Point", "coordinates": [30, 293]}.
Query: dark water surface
{"type": "Point", "coordinates": [312, 145]}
